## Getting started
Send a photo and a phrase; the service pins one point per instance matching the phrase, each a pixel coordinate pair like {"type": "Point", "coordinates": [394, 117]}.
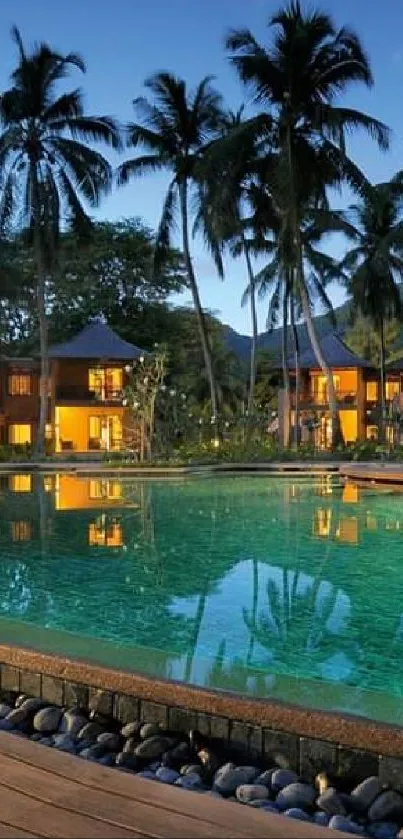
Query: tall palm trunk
{"type": "Point", "coordinates": [252, 297]}
{"type": "Point", "coordinates": [204, 338]}
{"type": "Point", "coordinates": [297, 371]}
{"type": "Point", "coordinates": [286, 373]}
{"type": "Point", "coordinates": [40, 444]}
{"type": "Point", "coordinates": [299, 266]}
{"type": "Point", "coordinates": [337, 436]}
{"type": "Point", "coordinates": [382, 424]}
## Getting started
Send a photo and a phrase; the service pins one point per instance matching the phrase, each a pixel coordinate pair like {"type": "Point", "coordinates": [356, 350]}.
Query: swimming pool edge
{"type": "Point", "coordinates": [307, 740]}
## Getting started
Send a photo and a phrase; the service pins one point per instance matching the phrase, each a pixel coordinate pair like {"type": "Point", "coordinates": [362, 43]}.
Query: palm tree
{"type": "Point", "coordinates": [47, 168]}
{"type": "Point", "coordinates": [375, 262]}
{"type": "Point", "coordinates": [175, 131]}
{"type": "Point", "coordinates": [278, 279]}
{"type": "Point", "coordinates": [297, 81]}
{"type": "Point", "coordinates": [226, 179]}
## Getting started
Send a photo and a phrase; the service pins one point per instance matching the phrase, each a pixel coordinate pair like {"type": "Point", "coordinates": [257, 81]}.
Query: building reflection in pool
{"type": "Point", "coordinates": [200, 579]}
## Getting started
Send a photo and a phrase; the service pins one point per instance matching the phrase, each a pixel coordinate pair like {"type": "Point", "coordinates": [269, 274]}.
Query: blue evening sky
{"type": "Point", "coordinates": [124, 41]}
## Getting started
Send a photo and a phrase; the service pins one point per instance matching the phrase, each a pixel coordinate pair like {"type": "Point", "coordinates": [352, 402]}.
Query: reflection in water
{"type": "Point", "coordinates": [239, 583]}
{"type": "Point", "coordinates": [106, 532]}
{"type": "Point", "coordinates": [20, 483]}
{"type": "Point", "coordinates": [21, 531]}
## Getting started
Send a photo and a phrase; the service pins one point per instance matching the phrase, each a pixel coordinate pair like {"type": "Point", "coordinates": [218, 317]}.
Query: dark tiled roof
{"type": "Point", "coordinates": [335, 352]}
{"type": "Point", "coordinates": [395, 366]}
{"type": "Point", "coordinates": [97, 340]}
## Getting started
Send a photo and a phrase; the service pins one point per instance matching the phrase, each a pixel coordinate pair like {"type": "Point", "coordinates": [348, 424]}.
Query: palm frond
{"type": "Point", "coordinates": [138, 166]}
{"type": "Point", "coordinates": [92, 174]}
{"type": "Point", "coordinates": [65, 106]}
{"type": "Point", "coordinates": [334, 120]}
{"type": "Point", "coordinates": [165, 228]}
{"type": "Point", "coordinates": [78, 219]}
{"type": "Point", "coordinates": [94, 129]}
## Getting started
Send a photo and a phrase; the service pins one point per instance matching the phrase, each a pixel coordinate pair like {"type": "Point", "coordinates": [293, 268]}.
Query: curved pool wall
{"type": "Point", "coordinates": [320, 533]}
{"type": "Point", "coordinates": [306, 741]}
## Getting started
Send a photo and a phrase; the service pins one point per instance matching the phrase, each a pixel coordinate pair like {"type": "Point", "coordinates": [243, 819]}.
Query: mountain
{"type": "Point", "coordinates": [271, 341]}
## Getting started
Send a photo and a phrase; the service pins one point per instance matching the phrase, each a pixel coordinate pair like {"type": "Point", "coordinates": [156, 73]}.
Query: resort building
{"type": "Point", "coordinates": [86, 384]}
{"type": "Point", "coordinates": [357, 389]}
{"type": "Point", "coordinates": [88, 376]}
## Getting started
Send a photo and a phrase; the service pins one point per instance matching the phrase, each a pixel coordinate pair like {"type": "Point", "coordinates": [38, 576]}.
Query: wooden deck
{"type": "Point", "coordinates": [47, 793]}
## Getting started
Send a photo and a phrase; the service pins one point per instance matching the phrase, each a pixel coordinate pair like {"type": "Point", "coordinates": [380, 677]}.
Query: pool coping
{"type": "Point", "coordinates": [336, 728]}
{"type": "Point", "coordinates": [85, 468]}
{"type": "Point", "coordinates": [364, 472]}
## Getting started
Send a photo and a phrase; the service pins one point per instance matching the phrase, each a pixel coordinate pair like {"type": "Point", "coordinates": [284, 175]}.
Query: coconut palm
{"type": "Point", "coordinates": [175, 131]}
{"type": "Point", "coordinates": [296, 82]}
{"type": "Point", "coordinates": [278, 278]}
{"type": "Point", "coordinates": [48, 169]}
{"type": "Point", "coordinates": [226, 179]}
{"type": "Point", "coordinates": [375, 262]}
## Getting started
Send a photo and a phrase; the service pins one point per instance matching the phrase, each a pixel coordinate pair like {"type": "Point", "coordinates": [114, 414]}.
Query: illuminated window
{"type": "Point", "coordinates": [372, 391]}
{"type": "Point", "coordinates": [99, 489]}
{"type": "Point", "coordinates": [103, 533]}
{"type": "Point", "coordinates": [105, 382]}
{"type": "Point", "coordinates": [95, 424]}
{"type": "Point", "coordinates": [392, 389]}
{"type": "Point", "coordinates": [48, 431]}
{"type": "Point", "coordinates": [48, 483]}
{"type": "Point", "coordinates": [20, 483]}
{"type": "Point", "coordinates": [20, 384]}
{"type": "Point", "coordinates": [19, 434]}
{"type": "Point", "coordinates": [105, 432]}
{"type": "Point", "coordinates": [21, 531]}
{"type": "Point", "coordinates": [319, 388]}
{"type": "Point", "coordinates": [372, 432]}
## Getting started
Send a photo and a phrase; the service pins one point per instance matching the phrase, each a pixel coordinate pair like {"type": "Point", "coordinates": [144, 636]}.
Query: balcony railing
{"type": "Point", "coordinates": [347, 398]}
{"type": "Point", "coordinates": [79, 393]}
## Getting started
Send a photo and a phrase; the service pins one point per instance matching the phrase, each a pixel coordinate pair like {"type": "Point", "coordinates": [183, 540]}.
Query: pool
{"type": "Point", "coordinates": [280, 587]}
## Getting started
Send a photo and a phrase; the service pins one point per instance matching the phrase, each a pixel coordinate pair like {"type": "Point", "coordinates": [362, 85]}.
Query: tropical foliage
{"type": "Point", "coordinates": [50, 169]}
{"type": "Point", "coordinates": [257, 183]}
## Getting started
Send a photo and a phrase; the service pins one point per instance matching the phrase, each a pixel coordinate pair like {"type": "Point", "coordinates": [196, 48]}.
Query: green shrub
{"type": "Point", "coordinates": [15, 454]}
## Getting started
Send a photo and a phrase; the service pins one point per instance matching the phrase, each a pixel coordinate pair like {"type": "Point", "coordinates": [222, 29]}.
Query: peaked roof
{"type": "Point", "coordinates": [395, 366]}
{"type": "Point", "coordinates": [97, 340]}
{"type": "Point", "coordinates": [335, 353]}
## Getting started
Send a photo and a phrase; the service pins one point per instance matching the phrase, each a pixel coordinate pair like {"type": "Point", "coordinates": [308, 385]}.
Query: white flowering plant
{"type": "Point", "coordinates": [145, 380]}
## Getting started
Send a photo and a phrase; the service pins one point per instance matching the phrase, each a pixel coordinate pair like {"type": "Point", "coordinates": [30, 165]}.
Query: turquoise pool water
{"type": "Point", "coordinates": [281, 587]}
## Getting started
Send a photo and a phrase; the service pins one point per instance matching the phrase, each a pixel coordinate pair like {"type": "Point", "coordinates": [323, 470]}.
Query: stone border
{"type": "Point", "coordinates": [82, 468]}
{"type": "Point", "coordinates": [304, 740]}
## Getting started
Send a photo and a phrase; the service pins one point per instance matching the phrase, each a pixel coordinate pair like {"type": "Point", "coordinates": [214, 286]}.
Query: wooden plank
{"type": "Point", "coordinates": [173, 803]}
{"type": "Point", "coordinates": [214, 817]}
{"type": "Point", "coordinates": [131, 815]}
{"type": "Point", "coordinates": [26, 813]}
{"type": "Point", "coordinates": [7, 831]}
